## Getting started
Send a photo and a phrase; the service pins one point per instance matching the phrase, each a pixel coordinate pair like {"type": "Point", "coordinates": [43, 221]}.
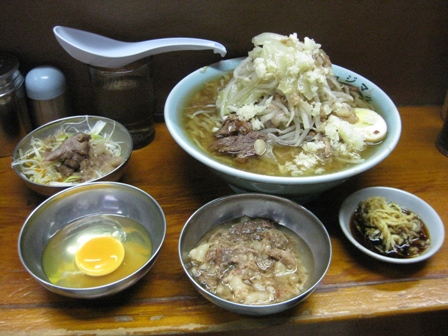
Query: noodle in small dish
{"type": "Point", "coordinates": [388, 229]}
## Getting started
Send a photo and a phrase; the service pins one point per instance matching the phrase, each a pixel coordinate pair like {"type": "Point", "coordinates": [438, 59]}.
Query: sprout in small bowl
{"type": "Point", "coordinates": [70, 151]}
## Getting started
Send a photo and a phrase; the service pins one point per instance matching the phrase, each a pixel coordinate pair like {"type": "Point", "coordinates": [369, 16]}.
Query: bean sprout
{"type": "Point", "coordinates": [37, 169]}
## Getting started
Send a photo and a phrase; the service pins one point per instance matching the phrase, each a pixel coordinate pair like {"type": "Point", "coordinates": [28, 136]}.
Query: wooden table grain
{"type": "Point", "coordinates": [359, 295]}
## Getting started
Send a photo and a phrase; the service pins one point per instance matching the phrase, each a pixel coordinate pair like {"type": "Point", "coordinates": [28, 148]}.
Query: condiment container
{"type": "Point", "coordinates": [126, 95]}
{"type": "Point", "coordinates": [442, 137]}
{"type": "Point", "coordinates": [444, 111]}
{"type": "Point", "coordinates": [14, 118]}
{"type": "Point", "coordinates": [46, 89]}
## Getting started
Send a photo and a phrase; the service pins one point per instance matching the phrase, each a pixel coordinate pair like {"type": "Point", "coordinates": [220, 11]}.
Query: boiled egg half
{"type": "Point", "coordinates": [371, 125]}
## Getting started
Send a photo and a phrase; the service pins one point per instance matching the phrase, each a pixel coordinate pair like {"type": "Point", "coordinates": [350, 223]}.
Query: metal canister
{"type": "Point", "coordinates": [14, 118]}
{"type": "Point", "coordinates": [46, 91]}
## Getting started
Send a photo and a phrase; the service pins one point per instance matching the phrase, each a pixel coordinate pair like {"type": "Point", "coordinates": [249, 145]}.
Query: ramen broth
{"type": "Point", "coordinates": [201, 118]}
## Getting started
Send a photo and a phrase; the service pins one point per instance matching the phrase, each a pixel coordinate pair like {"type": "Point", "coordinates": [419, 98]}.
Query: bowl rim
{"type": "Point", "coordinates": [224, 66]}
{"type": "Point", "coordinates": [257, 307]}
{"type": "Point", "coordinates": [60, 121]}
{"type": "Point", "coordinates": [82, 292]}
{"type": "Point", "coordinates": [351, 202]}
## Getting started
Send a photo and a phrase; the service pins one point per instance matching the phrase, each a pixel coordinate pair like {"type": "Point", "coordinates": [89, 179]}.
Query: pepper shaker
{"type": "Point", "coordinates": [46, 89]}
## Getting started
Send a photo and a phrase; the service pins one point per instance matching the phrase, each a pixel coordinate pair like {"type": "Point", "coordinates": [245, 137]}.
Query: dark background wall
{"type": "Point", "coordinates": [400, 45]}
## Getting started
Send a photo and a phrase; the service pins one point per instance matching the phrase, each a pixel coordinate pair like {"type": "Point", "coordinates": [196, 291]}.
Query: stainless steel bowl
{"type": "Point", "coordinates": [118, 132]}
{"type": "Point", "coordinates": [280, 210]}
{"type": "Point", "coordinates": [112, 198]}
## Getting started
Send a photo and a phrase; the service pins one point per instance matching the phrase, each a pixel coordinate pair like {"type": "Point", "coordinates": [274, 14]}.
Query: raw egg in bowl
{"type": "Point", "coordinates": [92, 240]}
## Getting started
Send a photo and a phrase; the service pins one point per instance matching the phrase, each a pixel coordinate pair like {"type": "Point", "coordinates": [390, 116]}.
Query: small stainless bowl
{"type": "Point", "coordinates": [119, 134]}
{"type": "Point", "coordinates": [112, 198]}
{"type": "Point", "coordinates": [280, 210]}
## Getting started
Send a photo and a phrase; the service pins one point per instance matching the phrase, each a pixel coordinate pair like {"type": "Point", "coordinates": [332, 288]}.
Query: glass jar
{"type": "Point", "coordinates": [126, 95]}
{"type": "Point", "coordinates": [14, 118]}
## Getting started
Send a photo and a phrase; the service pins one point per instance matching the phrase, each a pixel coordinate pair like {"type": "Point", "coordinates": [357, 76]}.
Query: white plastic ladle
{"type": "Point", "coordinates": [105, 52]}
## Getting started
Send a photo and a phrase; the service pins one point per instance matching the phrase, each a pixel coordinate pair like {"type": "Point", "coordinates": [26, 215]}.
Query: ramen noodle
{"type": "Point", "coordinates": [282, 112]}
{"type": "Point", "coordinates": [388, 229]}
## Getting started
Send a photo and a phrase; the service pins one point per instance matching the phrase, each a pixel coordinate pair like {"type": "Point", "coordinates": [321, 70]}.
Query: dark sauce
{"type": "Point", "coordinates": [409, 250]}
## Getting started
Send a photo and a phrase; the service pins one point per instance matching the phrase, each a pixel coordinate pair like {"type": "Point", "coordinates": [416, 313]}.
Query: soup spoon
{"type": "Point", "coordinates": [105, 52]}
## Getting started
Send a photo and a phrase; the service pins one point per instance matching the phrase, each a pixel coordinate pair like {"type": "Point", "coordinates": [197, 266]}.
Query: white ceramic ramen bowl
{"type": "Point", "coordinates": [406, 200]}
{"type": "Point", "coordinates": [301, 189]}
{"type": "Point", "coordinates": [278, 209]}
{"type": "Point", "coordinates": [117, 132]}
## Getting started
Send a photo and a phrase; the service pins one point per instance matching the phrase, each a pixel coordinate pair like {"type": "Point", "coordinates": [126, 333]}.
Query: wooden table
{"type": "Point", "coordinates": [358, 295]}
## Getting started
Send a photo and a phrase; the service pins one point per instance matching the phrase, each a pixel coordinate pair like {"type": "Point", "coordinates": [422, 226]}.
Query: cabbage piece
{"type": "Point", "coordinates": [284, 67]}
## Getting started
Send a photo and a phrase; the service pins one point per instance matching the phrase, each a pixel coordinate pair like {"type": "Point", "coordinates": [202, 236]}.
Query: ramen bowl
{"type": "Point", "coordinates": [113, 130]}
{"type": "Point", "coordinates": [282, 211]}
{"type": "Point", "coordinates": [73, 218]}
{"type": "Point", "coordinates": [404, 199]}
{"type": "Point", "coordinates": [302, 188]}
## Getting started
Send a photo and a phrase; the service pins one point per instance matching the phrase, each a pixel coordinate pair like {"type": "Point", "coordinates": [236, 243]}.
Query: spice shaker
{"type": "Point", "coordinates": [46, 89]}
{"type": "Point", "coordinates": [14, 118]}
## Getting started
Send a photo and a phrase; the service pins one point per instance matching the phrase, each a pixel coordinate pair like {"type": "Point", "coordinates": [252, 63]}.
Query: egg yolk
{"type": "Point", "coordinates": [100, 256]}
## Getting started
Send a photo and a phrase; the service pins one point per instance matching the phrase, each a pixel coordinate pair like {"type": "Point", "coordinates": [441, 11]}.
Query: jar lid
{"type": "Point", "coordinates": [44, 83]}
